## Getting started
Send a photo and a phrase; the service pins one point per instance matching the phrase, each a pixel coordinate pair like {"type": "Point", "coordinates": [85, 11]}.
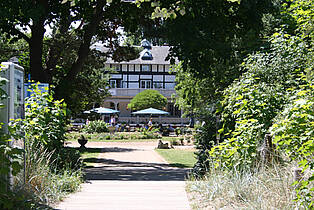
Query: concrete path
{"type": "Point", "coordinates": [130, 176]}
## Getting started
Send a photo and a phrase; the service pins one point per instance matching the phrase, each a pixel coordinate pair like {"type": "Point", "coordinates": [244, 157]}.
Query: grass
{"type": "Point", "coordinates": [89, 154]}
{"type": "Point", "coordinates": [106, 137]}
{"type": "Point", "coordinates": [44, 181]}
{"type": "Point", "coordinates": [265, 189]}
{"type": "Point", "coordinates": [117, 137]}
{"type": "Point", "coordinates": [178, 157]}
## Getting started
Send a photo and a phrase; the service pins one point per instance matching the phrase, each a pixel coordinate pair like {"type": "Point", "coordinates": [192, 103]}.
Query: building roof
{"type": "Point", "coordinates": [159, 54]}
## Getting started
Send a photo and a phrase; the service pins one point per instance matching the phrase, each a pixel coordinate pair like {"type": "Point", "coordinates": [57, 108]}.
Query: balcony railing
{"type": "Point", "coordinates": [133, 92]}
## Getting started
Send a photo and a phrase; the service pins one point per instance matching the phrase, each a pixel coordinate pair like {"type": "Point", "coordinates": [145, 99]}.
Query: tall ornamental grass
{"type": "Point", "coordinates": [268, 188]}
{"type": "Point", "coordinates": [51, 170]}
{"type": "Point", "coordinates": [45, 180]}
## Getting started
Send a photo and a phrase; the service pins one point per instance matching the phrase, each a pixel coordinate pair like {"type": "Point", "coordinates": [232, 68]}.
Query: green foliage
{"type": "Point", "coordinates": [43, 176]}
{"type": "Point", "coordinates": [123, 136]}
{"type": "Point", "coordinates": [45, 124]}
{"type": "Point", "coordinates": [301, 11]}
{"type": "Point", "coordinates": [50, 171]}
{"type": "Point", "coordinates": [294, 136]}
{"type": "Point", "coordinates": [252, 102]}
{"type": "Point", "coordinates": [89, 85]}
{"type": "Point", "coordinates": [45, 119]}
{"type": "Point", "coordinates": [97, 126]}
{"type": "Point", "coordinates": [148, 99]}
{"type": "Point", "coordinates": [274, 88]}
{"type": "Point", "coordinates": [207, 35]}
{"type": "Point", "coordinates": [150, 133]}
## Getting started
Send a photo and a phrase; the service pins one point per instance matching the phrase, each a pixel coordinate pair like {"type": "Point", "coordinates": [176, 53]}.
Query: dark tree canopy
{"type": "Point", "coordinates": [50, 59]}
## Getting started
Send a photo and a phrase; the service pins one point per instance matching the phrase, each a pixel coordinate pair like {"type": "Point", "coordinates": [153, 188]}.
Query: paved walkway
{"type": "Point", "coordinates": [130, 176]}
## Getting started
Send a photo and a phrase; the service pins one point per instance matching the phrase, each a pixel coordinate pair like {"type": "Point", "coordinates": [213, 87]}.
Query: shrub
{"type": "Point", "coordinates": [273, 94]}
{"type": "Point", "coordinates": [251, 103]}
{"type": "Point", "coordinates": [45, 119]}
{"type": "Point", "coordinates": [149, 133]}
{"type": "Point", "coordinates": [294, 136]}
{"type": "Point", "coordinates": [50, 170]}
{"type": "Point", "coordinates": [148, 99]}
{"type": "Point", "coordinates": [97, 126]}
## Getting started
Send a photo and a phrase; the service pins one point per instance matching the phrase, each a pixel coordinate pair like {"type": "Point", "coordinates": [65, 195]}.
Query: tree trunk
{"type": "Point", "coordinates": [36, 52]}
{"type": "Point", "coordinates": [85, 45]}
{"type": "Point", "coordinates": [57, 44]}
{"type": "Point", "coordinates": [90, 30]}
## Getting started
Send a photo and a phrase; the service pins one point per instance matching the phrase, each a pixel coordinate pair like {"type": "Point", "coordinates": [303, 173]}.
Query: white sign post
{"type": "Point", "coordinates": [14, 104]}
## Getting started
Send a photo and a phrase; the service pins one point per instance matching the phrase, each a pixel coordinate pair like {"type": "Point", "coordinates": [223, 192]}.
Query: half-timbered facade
{"type": "Point", "coordinates": [150, 71]}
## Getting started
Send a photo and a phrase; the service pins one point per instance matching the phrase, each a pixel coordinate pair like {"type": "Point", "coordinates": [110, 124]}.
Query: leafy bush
{"type": "Point", "coordinates": [148, 99]}
{"type": "Point", "coordinates": [273, 90]}
{"type": "Point", "coordinates": [294, 136]}
{"type": "Point", "coordinates": [51, 169]}
{"type": "Point", "coordinates": [45, 119]}
{"type": "Point", "coordinates": [97, 126]}
{"type": "Point", "coordinates": [252, 102]}
{"type": "Point", "coordinates": [150, 133]}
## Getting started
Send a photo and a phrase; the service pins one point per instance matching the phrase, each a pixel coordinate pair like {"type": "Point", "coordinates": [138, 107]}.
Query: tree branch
{"type": "Point", "coordinates": [85, 45]}
{"type": "Point", "coordinates": [22, 35]}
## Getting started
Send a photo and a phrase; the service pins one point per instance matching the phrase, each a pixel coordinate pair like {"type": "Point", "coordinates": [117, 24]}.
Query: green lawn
{"type": "Point", "coordinates": [106, 137]}
{"type": "Point", "coordinates": [90, 155]}
{"type": "Point", "coordinates": [178, 158]}
{"type": "Point", "coordinates": [117, 137]}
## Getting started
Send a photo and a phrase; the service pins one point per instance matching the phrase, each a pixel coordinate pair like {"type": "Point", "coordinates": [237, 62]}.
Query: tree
{"type": "Point", "coordinates": [147, 99]}
{"type": "Point", "coordinates": [211, 38]}
{"type": "Point", "coordinates": [99, 20]}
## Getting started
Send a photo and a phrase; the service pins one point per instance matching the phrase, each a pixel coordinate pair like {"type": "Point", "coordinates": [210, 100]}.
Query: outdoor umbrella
{"type": "Point", "coordinates": [103, 110]}
{"type": "Point", "coordinates": [150, 111]}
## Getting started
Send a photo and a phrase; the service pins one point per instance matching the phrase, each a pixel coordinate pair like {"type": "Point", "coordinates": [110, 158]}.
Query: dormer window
{"type": "Point", "coordinates": [147, 55]}
{"type": "Point", "coordinates": [146, 44]}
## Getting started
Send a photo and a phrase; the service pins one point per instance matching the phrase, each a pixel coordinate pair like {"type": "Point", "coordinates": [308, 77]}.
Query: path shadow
{"type": "Point", "coordinates": [135, 171]}
{"type": "Point", "coordinates": [110, 169]}
{"type": "Point", "coordinates": [106, 149]}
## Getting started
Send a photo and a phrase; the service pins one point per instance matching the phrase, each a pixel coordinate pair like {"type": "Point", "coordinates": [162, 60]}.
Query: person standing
{"type": "Point", "coordinates": [112, 120]}
{"type": "Point", "coordinates": [150, 122]}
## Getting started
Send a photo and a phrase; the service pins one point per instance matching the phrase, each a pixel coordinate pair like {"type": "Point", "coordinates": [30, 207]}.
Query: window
{"type": "Point", "coordinates": [158, 85]}
{"type": "Point", "coordinates": [133, 85]}
{"type": "Point", "coordinates": [113, 83]}
{"type": "Point", "coordinates": [146, 84]}
{"type": "Point", "coordinates": [124, 84]}
{"type": "Point", "coordinates": [146, 68]}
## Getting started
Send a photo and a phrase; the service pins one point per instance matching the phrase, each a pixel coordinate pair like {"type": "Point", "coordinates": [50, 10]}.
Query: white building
{"type": "Point", "coordinates": [149, 71]}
